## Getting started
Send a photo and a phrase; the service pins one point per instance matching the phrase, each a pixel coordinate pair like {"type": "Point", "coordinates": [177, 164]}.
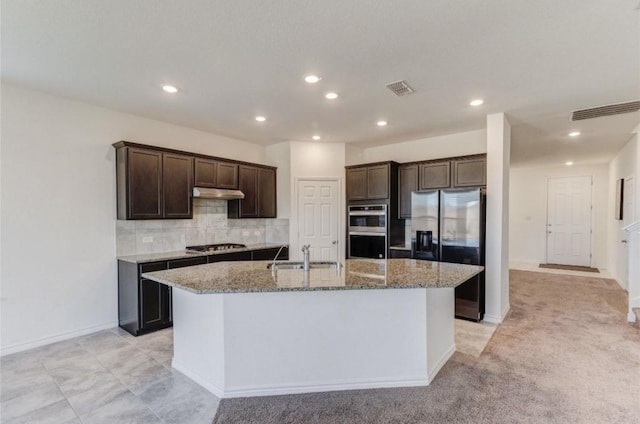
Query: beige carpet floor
{"type": "Point", "coordinates": [565, 354]}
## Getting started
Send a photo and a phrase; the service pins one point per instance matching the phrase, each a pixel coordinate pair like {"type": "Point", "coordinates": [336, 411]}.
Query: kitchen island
{"type": "Point", "coordinates": [242, 330]}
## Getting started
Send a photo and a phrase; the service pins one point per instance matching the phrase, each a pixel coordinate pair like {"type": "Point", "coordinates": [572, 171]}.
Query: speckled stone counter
{"type": "Point", "coordinates": [251, 277]}
{"type": "Point", "coordinates": [240, 331]}
{"type": "Point", "coordinates": [165, 256]}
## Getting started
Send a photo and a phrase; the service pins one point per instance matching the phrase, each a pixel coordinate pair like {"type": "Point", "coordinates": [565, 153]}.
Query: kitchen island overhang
{"type": "Point", "coordinates": [241, 331]}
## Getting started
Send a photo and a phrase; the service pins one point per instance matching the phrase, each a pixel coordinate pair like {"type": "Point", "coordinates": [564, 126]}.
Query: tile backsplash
{"type": "Point", "coordinates": [209, 225]}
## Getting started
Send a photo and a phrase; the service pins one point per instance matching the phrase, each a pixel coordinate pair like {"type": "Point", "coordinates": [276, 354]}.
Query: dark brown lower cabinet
{"type": "Point", "coordinates": [270, 254]}
{"type": "Point", "coordinates": [399, 253]}
{"type": "Point", "coordinates": [145, 306]}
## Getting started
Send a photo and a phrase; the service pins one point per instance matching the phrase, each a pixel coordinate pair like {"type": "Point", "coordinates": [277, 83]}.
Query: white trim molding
{"type": "Point", "coordinates": [7, 350]}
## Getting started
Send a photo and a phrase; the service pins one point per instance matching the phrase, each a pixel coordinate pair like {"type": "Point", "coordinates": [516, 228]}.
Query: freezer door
{"type": "Point", "coordinates": [461, 224]}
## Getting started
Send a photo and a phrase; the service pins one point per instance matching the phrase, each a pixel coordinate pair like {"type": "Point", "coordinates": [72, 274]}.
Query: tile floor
{"type": "Point", "coordinates": [473, 337]}
{"type": "Point", "coordinates": [104, 377]}
{"type": "Point", "coordinates": [113, 377]}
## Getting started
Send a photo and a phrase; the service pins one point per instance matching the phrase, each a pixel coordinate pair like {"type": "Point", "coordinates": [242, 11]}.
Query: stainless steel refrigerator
{"type": "Point", "coordinates": [449, 226]}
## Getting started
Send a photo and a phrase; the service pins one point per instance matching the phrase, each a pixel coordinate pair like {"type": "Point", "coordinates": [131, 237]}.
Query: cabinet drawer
{"type": "Point", "coordinates": [153, 266]}
{"type": "Point", "coordinates": [235, 256]}
{"type": "Point", "coordinates": [180, 263]}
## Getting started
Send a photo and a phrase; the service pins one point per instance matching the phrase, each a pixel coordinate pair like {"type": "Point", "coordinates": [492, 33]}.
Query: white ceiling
{"type": "Point", "coordinates": [234, 59]}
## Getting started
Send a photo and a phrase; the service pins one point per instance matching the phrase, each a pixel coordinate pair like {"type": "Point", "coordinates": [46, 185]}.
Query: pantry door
{"type": "Point", "coordinates": [569, 211]}
{"type": "Point", "coordinates": [318, 219]}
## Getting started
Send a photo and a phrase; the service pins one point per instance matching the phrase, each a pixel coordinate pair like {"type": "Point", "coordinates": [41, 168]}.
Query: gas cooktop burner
{"type": "Point", "coordinates": [215, 247]}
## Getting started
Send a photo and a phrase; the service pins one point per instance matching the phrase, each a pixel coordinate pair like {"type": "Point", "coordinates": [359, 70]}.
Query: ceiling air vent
{"type": "Point", "coordinates": [400, 88]}
{"type": "Point", "coordinates": [597, 112]}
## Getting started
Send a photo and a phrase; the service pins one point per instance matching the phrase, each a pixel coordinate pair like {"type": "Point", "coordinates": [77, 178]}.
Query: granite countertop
{"type": "Point", "coordinates": [179, 254]}
{"type": "Point", "coordinates": [250, 277]}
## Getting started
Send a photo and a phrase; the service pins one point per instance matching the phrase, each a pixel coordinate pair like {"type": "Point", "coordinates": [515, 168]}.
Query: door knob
{"type": "Point", "coordinates": [334, 242]}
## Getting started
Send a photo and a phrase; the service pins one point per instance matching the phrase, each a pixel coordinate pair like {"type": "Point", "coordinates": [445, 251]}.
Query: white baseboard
{"type": "Point", "coordinates": [447, 355]}
{"type": "Point", "coordinates": [631, 317]}
{"type": "Point", "coordinates": [197, 378]}
{"type": "Point", "coordinates": [20, 347]}
{"type": "Point", "coordinates": [310, 388]}
{"type": "Point", "coordinates": [494, 319]}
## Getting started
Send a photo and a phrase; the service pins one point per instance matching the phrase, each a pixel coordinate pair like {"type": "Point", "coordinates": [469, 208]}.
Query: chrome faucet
{"type": "Point", "coordinates": [305, 256]}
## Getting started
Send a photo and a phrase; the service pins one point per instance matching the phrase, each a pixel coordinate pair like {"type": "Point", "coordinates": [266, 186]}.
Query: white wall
{"type": "Point", "coordinates": [497, 231]}
{"type": "Point", "coordinates": [624, 165]}
{"type": "Point", "coordinates": [528, 211]}
{"type": "Point", "coordinates": [59, 209]}
{"type": "Point", "coordinates": [459, 144]}
{"type": "Point", "coordinates": [280, 155]}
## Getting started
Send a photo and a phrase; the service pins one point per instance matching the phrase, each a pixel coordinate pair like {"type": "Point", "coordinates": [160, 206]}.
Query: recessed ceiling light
{"type": "Point", "coordinates": [169, 89]}
{"type": "Point", "coordinates": [331, 95]}
{"type": "Point", "coordinates": [569, 163]}
{"type": "Point", "coordinates": [381, 123]}
{"type": "Point", "coordinates": [316, 137]}
{"type": "Point", "coordinates": [476, 102]}
{"type": "Point", "coordinates": [574, 133]}
{"type": "Point", "coordinates": [312, 79]}
{"type": "Point", "coordinates": [260, 118]}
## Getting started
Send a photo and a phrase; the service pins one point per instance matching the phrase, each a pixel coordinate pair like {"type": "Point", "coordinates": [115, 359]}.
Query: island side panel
{"type": "Point", "coordinates": [441, 340]}
{"type": "Point", "coordinates": [198, 338]}
{"type": "Point", "coordinates": [297, 342]}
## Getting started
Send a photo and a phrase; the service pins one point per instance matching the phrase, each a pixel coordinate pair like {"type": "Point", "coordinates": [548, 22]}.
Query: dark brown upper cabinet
{"type": "Point", "coordinates": [378, 182]}
{"type": "Point", "coordinates": [470, 172]}
{"type": "Point", "coordinates": [177, 186]}
{"type": "Point", "coordinates": [368, 182]}
{"type": "Point", "coordinates": [267, 193]}
{"type": "Point", "coordinates": [357, 184]}
{"type": "Point", "coordinates": [434, 175]}
{"type": "Point", "coordinates": [407, 183]}
{"type": "Point", "coordinates": [259, 187]}
{"type": "Point", "coordinates": [216, 174]}
{"type": "Point", "coordinates": [139, 180]}
{"type": "Point", "coordinates": [153, 184]}
{"type": "Point", "coordinates": [157, 183]}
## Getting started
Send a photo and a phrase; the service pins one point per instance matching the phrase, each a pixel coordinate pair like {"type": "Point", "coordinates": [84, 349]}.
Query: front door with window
{"type": "Point", "coordinates": [569, 221]}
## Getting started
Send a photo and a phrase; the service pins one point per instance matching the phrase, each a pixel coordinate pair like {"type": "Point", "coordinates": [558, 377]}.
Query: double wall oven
{"type": "Point", "coordinates": [368, 231]}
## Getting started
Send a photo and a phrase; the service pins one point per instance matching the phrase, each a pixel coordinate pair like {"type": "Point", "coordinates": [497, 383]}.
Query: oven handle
{"type": "Point", "coordinates": [362, 233]}
{"type": "Point", "coordinates": [364, 213]}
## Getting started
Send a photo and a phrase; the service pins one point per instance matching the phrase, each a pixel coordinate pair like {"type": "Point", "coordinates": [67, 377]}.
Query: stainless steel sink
{"type": "Point", "coordinates": [300, 265]}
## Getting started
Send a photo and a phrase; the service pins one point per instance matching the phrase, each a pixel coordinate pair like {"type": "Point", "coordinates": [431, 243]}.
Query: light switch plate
{"type": "Point", "coordinates": [147, 239]}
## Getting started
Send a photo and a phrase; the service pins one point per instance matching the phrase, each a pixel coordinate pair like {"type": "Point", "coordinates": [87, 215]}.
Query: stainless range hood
{"type": "Point", "coordinates": [217, 193]}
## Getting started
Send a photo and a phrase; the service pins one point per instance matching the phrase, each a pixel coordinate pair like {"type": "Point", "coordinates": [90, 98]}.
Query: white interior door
{"type": "Point", "coordinates": [318, 219]}
{"type": "Point", "coordinates": [569, 221]}
{"type": "Point", "coordinates": [627, 219]}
